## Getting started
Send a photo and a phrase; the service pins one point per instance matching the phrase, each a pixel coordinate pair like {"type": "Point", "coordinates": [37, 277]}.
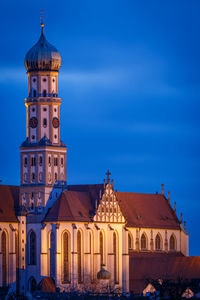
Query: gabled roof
{"type": "Point", "coordinates": [139, 210]}
{"type": "Point", "coordinates": [71, 206]}
{"type": "Point", "coordinates": [9, 199]}
{"type": "Point", "coordinates": [145, 267]}
{"type": "Point", "coordinates": [147, 210]}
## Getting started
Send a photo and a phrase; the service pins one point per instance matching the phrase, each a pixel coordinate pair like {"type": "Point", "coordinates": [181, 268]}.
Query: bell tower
{"type": "Point", "coordinates": [43, 154]}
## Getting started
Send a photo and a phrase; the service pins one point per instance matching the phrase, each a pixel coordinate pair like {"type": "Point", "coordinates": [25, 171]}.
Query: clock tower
{"type": "Point", "coordinates": [43, 154]}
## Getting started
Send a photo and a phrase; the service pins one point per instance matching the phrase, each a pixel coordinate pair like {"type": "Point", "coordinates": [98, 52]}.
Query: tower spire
{"type": "Point", "coordinates": [42, 21]}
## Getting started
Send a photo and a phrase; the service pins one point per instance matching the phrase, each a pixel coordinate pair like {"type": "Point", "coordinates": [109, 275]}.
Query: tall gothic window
{"type": "Point", "coordinates": [32, 249]}
{"type": "Point", "coordinates": [143, 242]}
{"type": "Point", "coordinates": [79, 251]}
{"type": "Point", "coordinates": [158, 242]}
{"type": "Point", "coordinates": [52, 255]}
{"type": "Point", "coordinates": [66, 257]}
{"type": "Point", "coordinates": [101, 242]}
{"type": "Point", "coordinates": [4, 259]}
{"type": "Point", "coordinates": [44, 93]}
{"type": "Point", "coordinates": [172, 243]}
{"type": "Point", "coordinates": [130, 241]}
{"type": "Point", "coordinates": [115, 253]}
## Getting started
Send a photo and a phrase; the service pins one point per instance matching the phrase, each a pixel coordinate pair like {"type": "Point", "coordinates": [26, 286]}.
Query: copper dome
{"type": "Point", "coordinates": [42, 57]}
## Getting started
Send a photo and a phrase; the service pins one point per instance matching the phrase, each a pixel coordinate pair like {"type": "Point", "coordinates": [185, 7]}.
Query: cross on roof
{"type": "Point", "coordinates": [108, 176]}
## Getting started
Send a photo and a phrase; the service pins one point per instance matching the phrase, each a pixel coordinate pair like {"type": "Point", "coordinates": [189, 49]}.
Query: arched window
{"type": "Point", "coordinates": [143, 242]}
{"type": "Point", "coordinates": [4, 258]}
{"type": "Point", "coordinates": [66, 257]}
{"type": "Point", "coordinates": [158, 242]}
{"type": "Point", "coordinates": [79, 251]}
{"type": "Point", "coordinates": [44, 122]}
{"type": "Point", "coordinates": [44, 93]}
{"type": "Point", "coordinates": [32, 284]}
{"type": "Point", "coordinates": [115, 253]}
{"type": "Point", "coordinates": [34, 93]}
{"type": "Point", "coordinates": [32, 249]}
{"type": "Point", "coordinates": [52, 255]}
{"type": "Point", "coordinates": [101, 244]}
{"type": "Point", "coordinates": [130, 241]}
{"type": "Point", "coordinates": [172, 242]}
{"type": "Point", "coordinates": [56, 176]}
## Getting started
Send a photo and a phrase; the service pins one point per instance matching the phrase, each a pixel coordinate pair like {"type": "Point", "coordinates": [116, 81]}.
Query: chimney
{"type": "Point", "coordinates": [169, 197]}
{"type": "Point", "coordinates": [162, 185]}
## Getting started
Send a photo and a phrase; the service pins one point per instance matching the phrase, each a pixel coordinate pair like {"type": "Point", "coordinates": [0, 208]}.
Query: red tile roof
{"type": "Point", "coordinates": [152, 266]}
{"type": "Point", "coordinates": [140, 210]}
{"type": "Point", "coordinates": [9, 199]}
{"type": "Point", "coordinates": [71, 206]}
{"type": "Point", "coordinates": [147, 210]}
{"type": "Point", "coordinates": [47, 285]}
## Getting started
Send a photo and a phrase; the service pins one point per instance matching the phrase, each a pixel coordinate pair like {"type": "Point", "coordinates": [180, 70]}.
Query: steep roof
{"type": "Point", "coordinates": [140, 210]}
{"type": "Point", "coordinates": [9, 199]}
{"type": "Point", "coordinates": [147, 210]}
{"type": "Point", "coordinates": [153, 266]}
{"type": "Point", "coordinates": [71, 206]}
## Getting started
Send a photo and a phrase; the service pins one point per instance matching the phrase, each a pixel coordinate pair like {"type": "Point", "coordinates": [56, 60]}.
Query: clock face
{"type": "Point", "coordinates": [33, 122]}
{"type": "Point", "coordinates": [55, 122]}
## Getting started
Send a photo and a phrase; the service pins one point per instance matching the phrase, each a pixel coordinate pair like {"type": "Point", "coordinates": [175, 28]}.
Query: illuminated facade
{"type": "Point", "coordinates": [81, 236]}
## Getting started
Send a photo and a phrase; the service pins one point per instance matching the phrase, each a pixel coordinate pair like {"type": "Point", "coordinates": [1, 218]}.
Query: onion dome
{"type": "Point", "coordinates": [42, 56]}
{"type": "Point", "coordinates": [103, 274]}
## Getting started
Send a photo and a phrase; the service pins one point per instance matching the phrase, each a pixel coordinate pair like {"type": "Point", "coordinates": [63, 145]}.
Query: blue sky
{"type": "Point", "coordinates": [130, 86]}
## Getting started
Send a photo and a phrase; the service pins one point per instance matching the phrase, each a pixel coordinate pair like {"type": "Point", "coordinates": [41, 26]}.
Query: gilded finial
{"type": "Point", "coordinates": [42, 20]}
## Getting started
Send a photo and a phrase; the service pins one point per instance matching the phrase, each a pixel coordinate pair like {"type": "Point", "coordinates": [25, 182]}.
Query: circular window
{"type": "Point", "coordinates": [44, 79]}
{"type": "Point", "coordinates": [55, 136]}
{"type": "Point", "coordinates": [34, 80]}
{"type": "Point", "coordinates": [33, 109]}
{"type": "Point", "coordinates": [53, 80]}
{"type": "Point", "coordinates": [55, 109]}
{"type": "Point", "coordinates": [44, 109]}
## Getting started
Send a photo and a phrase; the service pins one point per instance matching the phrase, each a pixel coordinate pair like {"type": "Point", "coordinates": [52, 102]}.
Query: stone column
{"type": "Point", "coordinates": [74, 277]}
{"type": "Point", "coordinates": [97, 258]}
{"type": "Point", "coordinates": [166, 241]}
{"type": "Point", "coordinates": [44, 252]}
{"type": "Point", "coordinates": [12, 259]}
{"type": "Point", "coordinates": [125, 261]}
{"type": "Point", "coordinates": [58, 266]}
{"type": "Point", "coordinates": [151, 241]}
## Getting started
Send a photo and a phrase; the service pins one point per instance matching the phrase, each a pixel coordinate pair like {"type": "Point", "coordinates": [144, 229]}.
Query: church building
{"type": "Point", "coordinates": [85, 237]}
